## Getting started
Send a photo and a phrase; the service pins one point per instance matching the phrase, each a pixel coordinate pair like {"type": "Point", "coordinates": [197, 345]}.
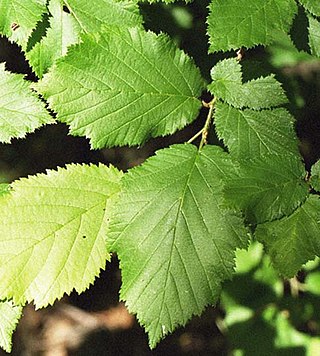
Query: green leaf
{"type": "Point", "coordinates": [293, 240]}
{"type": "Point", "coordinates": [91, 15]}
{"type": "Point", "coordinates": [315, 176]}
{"type": "Point", "coordinates": [312, 283]}
{"type": "Point", "coordinates": [21, 111]}
{"type": "Point", "coordinates": [174, 238]}
{"type": "Point", "coordinates": [241, 23]}
{"type": "Point", "coordinates": [19, 18]}
{"type": "Point", "coordinates": [314, 36]}
{"type": "Point", "coordinates": [258, 93]}
{"type": "Point", "coordinates": [283, 52]}
{"type": "Point", "coordinates": [124, 87]}
{"type": "Point", "coordinates": [53, 230]}
{"type": "Point", "coordinates": [250, 133]}
{"type": "Point", "coordinates": [167, 1]}
{"type": "Point", "coordinates": [85, 16]}
{"type": "Point", "coordinates": [63, 32]}
{"type": "Point", "coordinates": [268, 188]}
{"type": "Point", "coordinates": [248, 259]}
{"type": "Point", "coordinates": [312, 6]}
{"type": "Point", "coordinates": [9, 316]}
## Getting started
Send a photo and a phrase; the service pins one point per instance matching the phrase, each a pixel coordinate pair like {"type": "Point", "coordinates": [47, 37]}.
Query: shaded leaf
{"type": "Point", "coordinates": [261, 93]}
{"type": "Point", "coordinates": [293, 240]}
{"type": "Point", "coordinates": [238, 23]}
{"type": "Point", "coordinates": [174, 237]}
{"type": "Point", "coordinates": [250, 133]}
{"type": "Point", "coordinates": [268, 188]}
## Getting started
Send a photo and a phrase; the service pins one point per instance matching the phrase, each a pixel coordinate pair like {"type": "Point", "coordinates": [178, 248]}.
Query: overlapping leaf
{"type": "Point", "coordinates": [21, 111]}
{"type": "Point", "coordinates": [314, 36]}
{"type": "Point", "coordinates": [9, 317]}
{"type": "Point", "coordinates": [259, 93]}
{"type": "Point", "coordinates": [53, 230]}
{"type": "Point", "coordinates": [174, 239]}
{"type": "Point", "coordinates": [124, 86]}
{"type": "Point", "coordinates": [312, 6]}
{"type": "Point", "coordinates": [250, 133]}
{"type": "Point", "coordinates": [268, 188]}
{"type": "Point", "coordinates": [91, 15]}
{"type": "Point", "coordinates": [63, 32]}
{"type": "Point", "coordinates": [82, 16]}
{"type": "Point", "coordinates": [240, 23]}
{"type": "Point", "coordinates": [315, 176]}
{"type": "Point", "coordinates": [293, 240]}
{"type": "Point", "coordinates": [19, 18]}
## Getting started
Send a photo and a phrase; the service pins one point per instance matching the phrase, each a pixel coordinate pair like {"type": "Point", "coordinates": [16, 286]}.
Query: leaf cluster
{"type": "Point", "coordinates": [176, 220]}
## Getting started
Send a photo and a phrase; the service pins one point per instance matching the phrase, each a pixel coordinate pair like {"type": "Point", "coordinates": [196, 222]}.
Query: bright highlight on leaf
{"type": "Point", "coordinates": [21, 111]}
{"type": "Point", "coordinates": [123, 87]}
{"type": "Point", "coordinates": [174, 237]}
{"type": "Point", "coordinates": [293, 240]}
{"type": "Point", "coordinates": [240, 23]}
{"type": "Point", "coordinates": [53, 231]}
{"type": "Point", "coordinates": [19, 18]}
{"type": "Point", "coordinates": [9, 318]}
{"type": "Point", "coordinates": [259, 93]}
{"type": "Point", "coordinates": [251, 133]}
{"type": "Point", "coordinates": [268, 188]}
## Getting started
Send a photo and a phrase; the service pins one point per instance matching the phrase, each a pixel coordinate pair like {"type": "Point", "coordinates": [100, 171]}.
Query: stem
{"type": "Point", "coordinates": [207, 124]}
{"type": "Point", "coordinates": [195, 136]}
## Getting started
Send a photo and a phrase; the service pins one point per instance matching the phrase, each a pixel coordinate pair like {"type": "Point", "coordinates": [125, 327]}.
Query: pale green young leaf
{"type": "Point", "coordinates": [293, 240]}
{"type": "Point", "coordinates": [9, 317]}
{"type": "Point", "coordinates": [173, 236]}
{"type": "Point", "coordinates": [19, 18]}
{"type": "Point", "coordinates": [250, 133]}
{"type": "Point", "coordinates": [91, 15]}
{"type": "Point", "coordinates": [53, 231]}
{"type": "Point", "coordinates": [21, 111]}
{"type": "Point", "coordinates": [315, 176]}
{"type": "Point", "coordinates": [268, 188]}
{"type": "Point", "coordinates": [63, 32]}
{"type": "Point", "coordinates": [314, 36]}
{"type": "Point", "coordinates": [241, 23]}
{"type": "Point", "coordinates": [258, 93]}
{"type": "Point", "coordinates": [313, 6]}
{"type": "Point", "coordinates": [123, 87]}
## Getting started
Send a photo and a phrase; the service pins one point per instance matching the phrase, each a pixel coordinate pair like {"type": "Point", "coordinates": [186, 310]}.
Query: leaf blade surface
{"type": "Point", "coordinates": [238, 23]}
{"type": "Point", "coordinates": [124, 87]}
{"type": "Point", "coordinates": [21, 111]}
{"type": "Point", "coordinates": [175, 241]}
{"type": "Point", "coordinates": [53, 232]}
{"type": "Point", "coordinates": [293, 240]}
